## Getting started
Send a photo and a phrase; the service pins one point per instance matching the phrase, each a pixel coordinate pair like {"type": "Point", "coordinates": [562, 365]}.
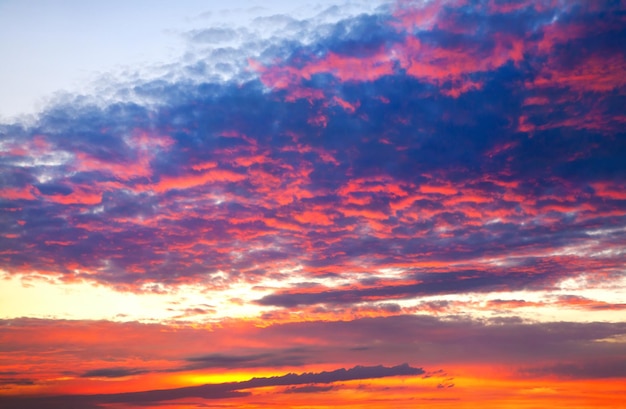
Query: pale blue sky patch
{"type": "Point", "coordinates": [64, 46]}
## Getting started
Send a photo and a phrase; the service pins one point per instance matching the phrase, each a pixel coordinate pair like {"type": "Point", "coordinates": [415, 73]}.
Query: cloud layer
{"type": "Point", "coordinates": [477, 146]}
{"type": "Point", "coordinates": [512, 351]}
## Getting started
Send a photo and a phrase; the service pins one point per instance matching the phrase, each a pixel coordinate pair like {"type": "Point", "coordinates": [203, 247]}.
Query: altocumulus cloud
{"type": "Point", "coordinates": [414, 138]}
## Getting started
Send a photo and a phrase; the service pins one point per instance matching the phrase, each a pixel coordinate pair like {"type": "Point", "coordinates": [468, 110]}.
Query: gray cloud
{"type": "Point", "coordinates": [111, 373]}
{"type": "Point", "coordinates": [309, 389]}
{"type": "Point", "coordinates": [288, 357]}
{"type": "Point", "coordinates": [214, 35]}
{"type": "Point", "coordinates": [598, 369]}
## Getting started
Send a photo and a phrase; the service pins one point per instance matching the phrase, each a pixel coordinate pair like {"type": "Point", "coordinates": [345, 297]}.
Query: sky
{"type": "Point", "coordinates": [358, 204]}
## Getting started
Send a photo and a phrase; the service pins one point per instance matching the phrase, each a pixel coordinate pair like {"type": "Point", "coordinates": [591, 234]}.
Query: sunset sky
{"type": "Point", "coordinates": [357, 204]}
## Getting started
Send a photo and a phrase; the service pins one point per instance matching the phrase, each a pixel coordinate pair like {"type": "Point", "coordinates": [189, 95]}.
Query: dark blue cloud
{"type": "Point", "coordinates": [111, 373]}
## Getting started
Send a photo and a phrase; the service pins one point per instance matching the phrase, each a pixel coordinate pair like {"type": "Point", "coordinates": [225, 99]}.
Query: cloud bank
{"type": "Point", "coordinates": [467, 146]}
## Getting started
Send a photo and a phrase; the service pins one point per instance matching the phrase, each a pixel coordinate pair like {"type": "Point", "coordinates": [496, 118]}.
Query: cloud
{"type": "Point", "coordinates": [214, 35]}
{"type": "Point", "coordinates": [219, 391]}
{"type": "Point", "coordinates": [517, 350]}
{"type": "Point", "coordinates": [441, 283]}
{"type": "Point", "coordinates": [308, 389]}
{"type": "Point", "coordinates": [15, 381]}
{"type": "Point", "coordinates": [365, 341]}
{"type": "Point", "coordinates": [585, 303]}
{"type": "Point", "coordinates": [396, 139]}
{"type": "Point", "coordinates": [111, 373]}
{"type": "Point", "coordinates": [293, 357]}
{"type": "Point", "coordinates": [585, 370]}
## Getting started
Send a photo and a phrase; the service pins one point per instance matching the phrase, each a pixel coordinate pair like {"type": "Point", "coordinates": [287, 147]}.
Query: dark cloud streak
{"type": "Point", "coordinates": [215, 391]}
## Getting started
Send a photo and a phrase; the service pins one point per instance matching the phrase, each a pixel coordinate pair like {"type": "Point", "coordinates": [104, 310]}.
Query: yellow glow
{"type": "Point", "coordinates": [40, 296]}
{"type": "Point", "coordinates": [223, 377]}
